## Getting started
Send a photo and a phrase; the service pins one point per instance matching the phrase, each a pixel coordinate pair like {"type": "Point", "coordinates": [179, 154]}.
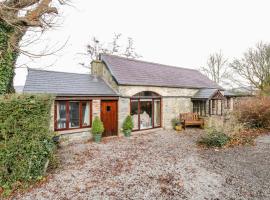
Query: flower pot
{"type": "Point", "coordinates": [127, 133]}
{"type": "Point", "coordinates": [56, 139]}
{"type": "Point", "coordinates": [178, 128]}
{"type": "Point", "coordinates": [97, 138]}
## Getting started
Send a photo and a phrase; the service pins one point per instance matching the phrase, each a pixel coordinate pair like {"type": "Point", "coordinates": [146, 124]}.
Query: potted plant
{"type": "Point", "coordinates": [97, 129]}
{"type": "Point", "coordinates": [127, 126]}
{"type": "Point", "coordinates": [176, 124]}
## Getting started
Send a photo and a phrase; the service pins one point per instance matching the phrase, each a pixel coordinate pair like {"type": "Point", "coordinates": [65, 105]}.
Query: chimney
{"type": "Point", "coordinates": [97, 68]}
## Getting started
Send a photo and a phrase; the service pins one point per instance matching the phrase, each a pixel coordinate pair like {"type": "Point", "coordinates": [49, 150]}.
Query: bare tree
{"type": "Point", "coordinates": [216, 68]}
{"type": "Point", "coordinates": [95, 47]}
{"type": "Point", "coordinates": [255, 66]}
{"type": "Point", "coordinates": [16, 18]}
{"type": "Point", "coordinates": [130, 50]}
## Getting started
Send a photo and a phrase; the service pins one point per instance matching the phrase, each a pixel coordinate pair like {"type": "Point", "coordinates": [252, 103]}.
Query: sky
{"type": "Point", "coordinates": [175, 32]}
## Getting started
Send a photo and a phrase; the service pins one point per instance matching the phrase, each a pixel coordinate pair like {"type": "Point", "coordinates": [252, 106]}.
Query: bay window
{"type": "Point", "coordinates": [145, 110]}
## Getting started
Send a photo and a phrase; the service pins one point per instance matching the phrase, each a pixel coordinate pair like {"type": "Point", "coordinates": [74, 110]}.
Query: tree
{"type": "Point", "coordinates": [95, 47]}
{"type": "Point", "coordinates": [216, 68]}
{"type": "Point", "coordinates": [255, 66]}
{"type": "Point", "coordinates": [16, 18]}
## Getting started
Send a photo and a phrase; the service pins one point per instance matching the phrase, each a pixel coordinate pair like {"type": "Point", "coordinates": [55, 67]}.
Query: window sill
{"type": "Point", "coordinates": [78, 130]}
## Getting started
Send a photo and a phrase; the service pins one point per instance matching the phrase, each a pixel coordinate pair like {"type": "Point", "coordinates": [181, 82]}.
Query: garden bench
{"type": "Point", "coordinates": [191, 119]}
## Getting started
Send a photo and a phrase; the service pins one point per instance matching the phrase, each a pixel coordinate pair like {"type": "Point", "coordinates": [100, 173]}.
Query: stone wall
{"type": "Point", "coordinates": [123, 111]}
{"type": "Point", "coordinates": [172, 107]}
{"type": "Point", "coordinates": [174, 101]}
{"type": "Point", "coordinates": [163, 91]}
{"type": "Point", "coordinates": [96, 108]}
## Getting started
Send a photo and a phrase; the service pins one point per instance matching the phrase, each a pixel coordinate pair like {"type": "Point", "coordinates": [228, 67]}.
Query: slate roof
{"type": "Point", "coordinates": [63, 83]}
{"type": "Point", "coordinates": [204, 93]}
{"type": "Point", "coordinates": [135, 72]}
{"type": "Point", "coordinates": [228, 93]}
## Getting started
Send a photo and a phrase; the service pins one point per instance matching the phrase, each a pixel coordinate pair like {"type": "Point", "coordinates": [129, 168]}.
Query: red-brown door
{"type": "Point", "coordinates": [109, 117]}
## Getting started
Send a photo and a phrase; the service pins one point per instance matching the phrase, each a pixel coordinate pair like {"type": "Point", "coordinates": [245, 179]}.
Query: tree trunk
{"type": "Point", "coordinates": [9, 45]}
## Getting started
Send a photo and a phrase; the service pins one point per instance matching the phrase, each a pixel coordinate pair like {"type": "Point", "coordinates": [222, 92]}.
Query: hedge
{"type": "Point", "coordinates": [25, 139]}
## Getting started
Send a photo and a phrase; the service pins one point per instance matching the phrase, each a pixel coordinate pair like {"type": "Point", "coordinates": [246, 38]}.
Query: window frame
{"type": "Point", "coordinates": [68, 114]}
{"type": "Point", "coordinates": [152, 99]}
{"type": "Point", "coordinates": [199, 107]}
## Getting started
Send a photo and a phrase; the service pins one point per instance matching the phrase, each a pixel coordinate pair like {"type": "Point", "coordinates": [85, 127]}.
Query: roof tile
{"type": "Point", "coordinates": [63, 83]}
{"type": "Point", "coordinates": [135, 72]}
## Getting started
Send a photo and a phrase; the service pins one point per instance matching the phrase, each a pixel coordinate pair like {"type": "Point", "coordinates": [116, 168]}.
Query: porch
{"type": "Point", "coordinates": [208, 102]}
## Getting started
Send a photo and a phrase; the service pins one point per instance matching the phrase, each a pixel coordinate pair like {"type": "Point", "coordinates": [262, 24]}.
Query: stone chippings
{"type": "Point", "coordinates": [156, 165]}
{"type": "Point", "coordinates": [246, 169]}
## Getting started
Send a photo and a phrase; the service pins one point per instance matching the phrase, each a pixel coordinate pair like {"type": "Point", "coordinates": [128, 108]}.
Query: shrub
{"type": "Point", "coordinates": [128, 124]}
{"type": "Point", "coordinates": [25, 139]}
{"type": "Point", "coordinates": [97, 126]}
{"type": "Point", "coordinates": [175, 121]}
{"type": "Point", "coordinates": [214, 138]}
{"type": "Point", "coordinates": [254, 112]}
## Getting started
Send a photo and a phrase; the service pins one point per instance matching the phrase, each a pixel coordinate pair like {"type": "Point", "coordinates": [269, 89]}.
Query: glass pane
{"type": "Point", "coordinates": [85, 114]}
{"type": "Point", "coordinates": [74, 114]}
{"type": "Point", "coordinates": [134, 114]}
{"type": "Point", "coordinates": [157, 113]}
{"type": "Point", "coordinates": [61, 114]}
{"type": "Point", "coordinates": [203, 108]}
{"type": "Point", "coordinates": [145, 114]}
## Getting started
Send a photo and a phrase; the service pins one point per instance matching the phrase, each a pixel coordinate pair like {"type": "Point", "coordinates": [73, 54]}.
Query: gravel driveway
{"type": "Point", "coordinates": [156, 165]}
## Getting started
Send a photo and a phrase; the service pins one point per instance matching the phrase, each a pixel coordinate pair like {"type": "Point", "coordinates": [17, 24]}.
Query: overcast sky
{"type": "Point", "coordinates": [176, 32]}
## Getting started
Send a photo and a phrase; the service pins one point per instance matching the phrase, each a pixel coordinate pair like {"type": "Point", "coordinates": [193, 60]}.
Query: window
{"type": "Point", "coordinates": [145, 110]}
{"type": "Point", "coordinates": [61, 115]}
{"type": "Point", "coordinates": [72, 114]}
{"type": "Point", "coordinates": [199, 107]}
{"type": "Point", "coordinates": [134, 112]}
{"type": "Point", "coordinates": [157, 113]}
{"type": "Point", "coordinates": [146, 114]}
{"type": "Point", "coordinates": [85, 114]}
{"type": "Point", "coordinates": [216, 107]}
{"type": "Point", "coordinates": [228, 102]}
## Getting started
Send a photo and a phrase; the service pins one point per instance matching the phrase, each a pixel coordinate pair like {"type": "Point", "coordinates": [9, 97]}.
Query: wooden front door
{"type": "Point", "coordinates": [109, 117]}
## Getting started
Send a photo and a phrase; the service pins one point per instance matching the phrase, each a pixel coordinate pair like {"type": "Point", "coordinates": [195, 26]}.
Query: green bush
{"type": "Point", "coordinates": [214, 138]}
{"type": "Point", "coordinates": [128, 124]}
{"type": "Point", "coordinates": [25, 139]}
{"type": "Point", "coordinates": [97, 126]}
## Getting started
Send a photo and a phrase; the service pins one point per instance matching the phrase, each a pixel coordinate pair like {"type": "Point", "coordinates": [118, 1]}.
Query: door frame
{"type": "Point", "coordinates": [112, 100]}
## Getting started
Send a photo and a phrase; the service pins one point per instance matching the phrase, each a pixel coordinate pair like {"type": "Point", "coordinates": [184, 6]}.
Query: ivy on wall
{"type": "Point", "coordinates": [25, 139]}
{"type": "Point", "coordinates": [8, 56]}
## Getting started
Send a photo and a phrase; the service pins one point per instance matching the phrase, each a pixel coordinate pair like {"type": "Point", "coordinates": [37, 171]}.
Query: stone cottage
{"type": "Point", "coordinates": [153, 94]}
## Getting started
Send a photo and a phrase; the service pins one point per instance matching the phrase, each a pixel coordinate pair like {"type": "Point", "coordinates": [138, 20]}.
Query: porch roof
{"type": "Point", "coordinates": [204, 94]}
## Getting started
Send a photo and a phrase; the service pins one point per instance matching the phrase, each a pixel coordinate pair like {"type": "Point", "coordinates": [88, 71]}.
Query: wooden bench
{"type": "Point", "coordinates": [191, 119]}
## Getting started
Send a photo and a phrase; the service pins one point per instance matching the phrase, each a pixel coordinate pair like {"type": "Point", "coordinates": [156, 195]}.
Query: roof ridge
{"type": "Point", "coordinates": [149, 62]}
{"type": "Point", "coordinates": [42, 70]}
